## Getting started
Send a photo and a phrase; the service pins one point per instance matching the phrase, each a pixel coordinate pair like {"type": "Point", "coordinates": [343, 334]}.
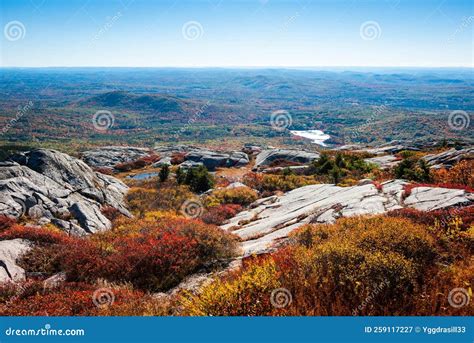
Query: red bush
{"type": "Point", "coordinates": [177, 158]}
{"type": "Point", "coordinates": [137, 164]}
{"type": "Point", "coordinates": [111, 213]}
{"type": "Point", "coordinates": [378, 186]}
{"type": "Point", "coordinates": [217, 215]}
{"type": "Point", "coordinates": [68, 300]}
{"type": "Point", "coordinates": [155, 254]}
{"type": "Point", "coordinates": [6, 222]}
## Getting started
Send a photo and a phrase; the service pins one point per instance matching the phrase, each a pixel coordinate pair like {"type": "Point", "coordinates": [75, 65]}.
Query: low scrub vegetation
{"type": "Point", "coordinates": [151, 254]}
{"type": "Point", "coordinates": [358, 266]}
{"type": "Point", "coordinates": [269, 184]}
{"type": "Point", "coordinates": [240, 196]}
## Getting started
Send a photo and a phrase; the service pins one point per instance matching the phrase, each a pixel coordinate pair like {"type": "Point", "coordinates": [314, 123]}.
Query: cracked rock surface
{"type": "Point", "coordinates": [50, 186]}
{"type": "Point", "coordinates": [269, 221]}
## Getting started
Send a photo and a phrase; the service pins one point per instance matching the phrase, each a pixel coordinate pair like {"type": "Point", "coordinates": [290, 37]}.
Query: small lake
{"type": "Point", "coordinates": [142, 176]}
{"type": "Point", "coordinates": [317, 136]}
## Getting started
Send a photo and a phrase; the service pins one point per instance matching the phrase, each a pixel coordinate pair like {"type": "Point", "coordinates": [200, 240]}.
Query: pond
{"type": "Point", "coordinates": [317, 136]}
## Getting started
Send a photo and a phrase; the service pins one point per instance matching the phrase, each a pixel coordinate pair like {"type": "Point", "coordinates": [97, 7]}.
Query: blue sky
{"type": "Point", "coordinates": [429, 33]}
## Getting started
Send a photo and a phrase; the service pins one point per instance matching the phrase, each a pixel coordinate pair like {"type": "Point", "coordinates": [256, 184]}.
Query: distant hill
{"type": "Point", "coordinates": [126, 100]}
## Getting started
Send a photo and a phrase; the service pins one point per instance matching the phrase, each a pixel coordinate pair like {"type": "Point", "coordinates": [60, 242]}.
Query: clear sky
{"type": "Point", "coordinates": [140, 33]}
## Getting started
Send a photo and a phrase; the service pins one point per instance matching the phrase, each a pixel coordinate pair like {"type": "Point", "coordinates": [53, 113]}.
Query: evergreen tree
{"type": "Point", "coordinates": [164, 173]}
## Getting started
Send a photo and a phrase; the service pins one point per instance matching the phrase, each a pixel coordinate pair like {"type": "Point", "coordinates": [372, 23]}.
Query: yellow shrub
{"type": "Point", "coordinates": [248, 294]}
{"type": "Point", "coordinates": [141, 200]}
{"type": "Point", "coordinates": [240, 195]}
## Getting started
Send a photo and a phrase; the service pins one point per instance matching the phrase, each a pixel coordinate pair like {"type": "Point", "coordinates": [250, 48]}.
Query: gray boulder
{"type": "Point", "coordinates": [384, 161]}
{"type": "Point", "coordinates": [10, 251]}
{"type": "Point", "coordinates": [110, 156]}
{"type": "Point", "coordinates": [266, 157]}
{"type": "Point", "coordinates": [212, 159]}
{"type": "Point", "coordinates": [50, 185]}
{"type": "Point", "coordinates": [195, 156]}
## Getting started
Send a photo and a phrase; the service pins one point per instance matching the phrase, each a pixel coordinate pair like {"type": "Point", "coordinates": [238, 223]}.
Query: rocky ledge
{"type": "Point", "coordinates": [449, 158]}
{"type": "Point", "coordinates": [269, 156]}
{"type": "Point", "coordinates": [110, 156]}
{"type": "Point", "coordinates": [195, 156]}
{"type": "Point", "coordinates": [50, 186]}
{"type": "Point", "coordinates": [270, 220]}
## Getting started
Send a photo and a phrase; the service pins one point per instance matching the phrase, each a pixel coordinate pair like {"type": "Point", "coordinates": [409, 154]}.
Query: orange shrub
{"type": "Point", "coordinates": [460, 174]}
{"type": "Point", "coordinates": [35, 234]}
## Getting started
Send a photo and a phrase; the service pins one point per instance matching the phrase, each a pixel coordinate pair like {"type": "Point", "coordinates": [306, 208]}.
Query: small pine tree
{"type": "Point", "coordinates": [339, 161]}
{"type": "Point", "coordinates": [164, 173]}
{"type": "Point", "coordinates": [336, 174]}
{"type": "Point", "coordinates": [180, 176]}
{"type": "Point", "coordinates": [198, 179]}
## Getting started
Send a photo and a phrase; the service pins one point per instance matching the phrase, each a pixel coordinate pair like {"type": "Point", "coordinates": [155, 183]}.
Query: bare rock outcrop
{"type": "Point", "coordinates": [269, 156]}
{"type": "Point", "coordinates": [270, 220]}
{"type": "Point", "coordinates": [110, 156]}
{"type": "Point", "coordinates": [50, 186]}
{"type": "Point", "coordinates": [449, 158]}
{"type": "Point", "coordinates": [195, 156]}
